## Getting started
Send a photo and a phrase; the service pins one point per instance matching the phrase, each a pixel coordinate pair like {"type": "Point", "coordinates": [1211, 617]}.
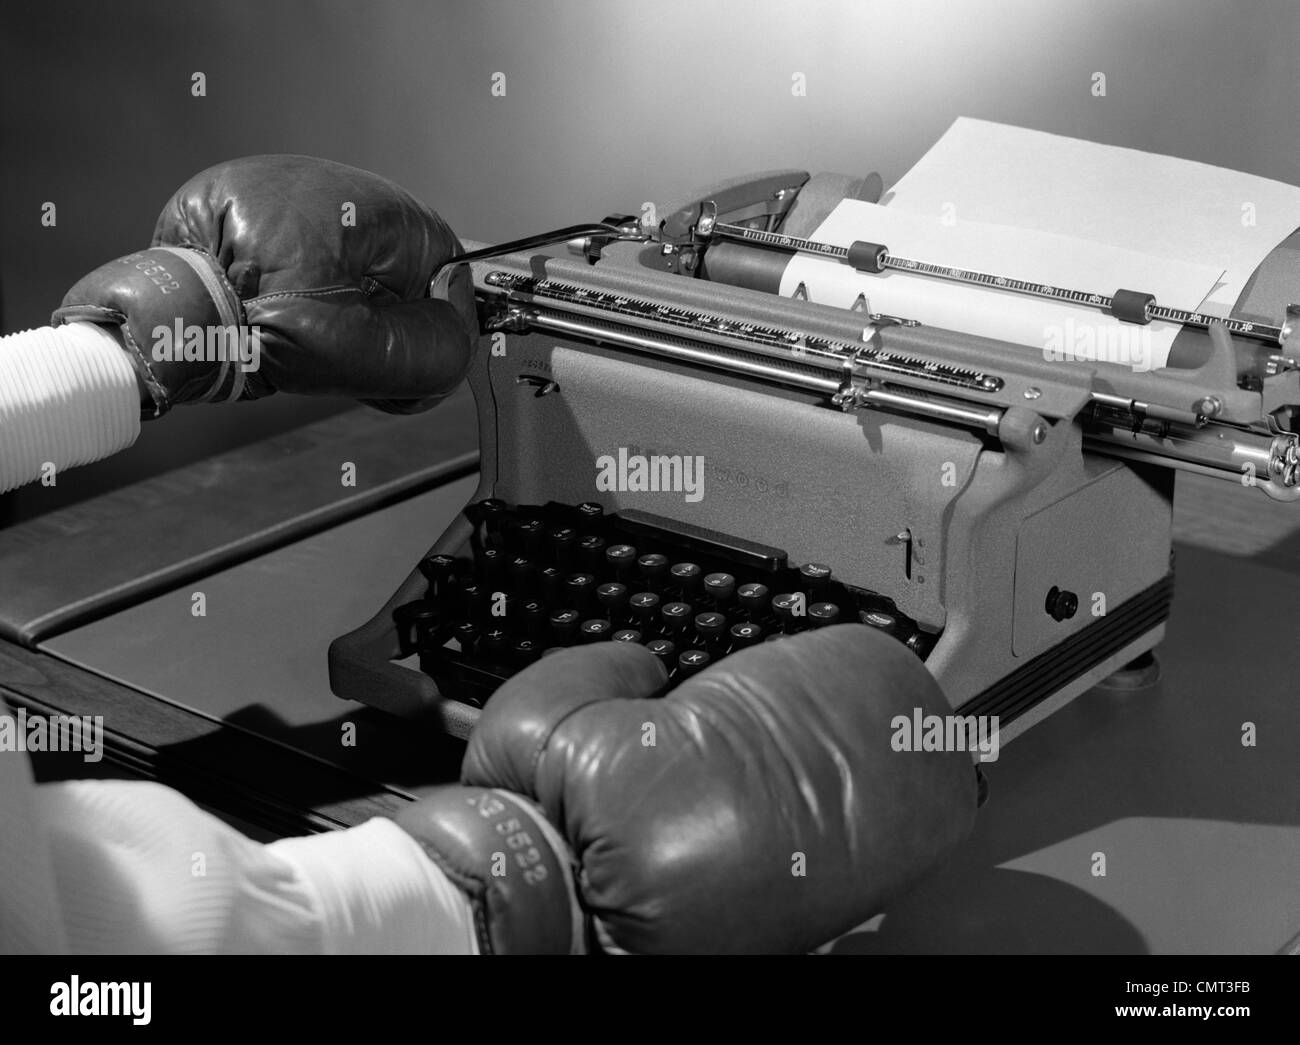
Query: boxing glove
{"type": "Point", "coordinates": [511, 865]}
{"type": "Point", "coordinates": [758, 806]}
{"type": "Point", "coordinates": [288, 273]}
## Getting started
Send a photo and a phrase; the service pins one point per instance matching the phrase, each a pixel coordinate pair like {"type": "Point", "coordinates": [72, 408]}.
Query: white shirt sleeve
{"type": "Point", "coordinates": [68, 396]}
{"type": "Point", "coordinates": [128, 867]}
{"type": "Point", "coordinates": [123, 867]}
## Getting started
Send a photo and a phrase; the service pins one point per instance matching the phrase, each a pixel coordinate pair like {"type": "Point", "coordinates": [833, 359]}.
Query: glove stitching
{"type": "Point", "coordinates": [156, 390]}
{"type": "Point", "coordinates": [302, 294]}
{"type": "Point", "coordinates": [218, 271]}
{"type": "Point", "coordinates": [472, 886]}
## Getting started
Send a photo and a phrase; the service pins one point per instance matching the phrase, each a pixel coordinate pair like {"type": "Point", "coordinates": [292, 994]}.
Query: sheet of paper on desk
{"type": "Point", "coordinates": [1056, 210]}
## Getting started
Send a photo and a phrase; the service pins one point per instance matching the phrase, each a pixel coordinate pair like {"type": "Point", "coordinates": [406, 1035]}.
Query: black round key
{"type": "Point", "coordinates": [815, 572]}
{"type": "Point", "coordinates": [591, 553]}
{"type": "Point", "coordinates": [564, 540]}
{"type": "Point", "coordinates": [533, 619]}
{"type": "Point", "coordinates": [493, 512]}
{"type": "Point", "coordinates": [823, 614]}
{"type": "Point", "coordinates": [523, 574]}
{"type": "Point", "coordinates": [564, 627]}
{"type": "Point", "coordinates": [753, 599]}
{"type": "Point", "coordinates": [494, 561]}
{"type": "Point", "coordinates": [784, 606]}
{"type": "Point", "coordinates": [612, 597]}
{"type": "Point", "coordinates": [621, 558]}
{"type": "Point", "coordinates": [720, 587]}
{"type": "Point", "coordinates": [466, 636]}
{"type": "Point", "coordinates": [495, 645]}
{"type": "Point", "coordinates": [676, 615]}
{"type": "Point", "coordinates": [653, 568]}
{"type": "Point", "coordinates": [578, 589]}
{"type": "Point", "coordinates": [745, 634]}
{"type": "Point", "coordinates": [594, 630]}
{"type": "Point", "coordinates": [886, 622]}
{"type": "Point", "coordinates": [526, 651]}
{"type": "Point", "coordinates": [644, 605]}
{"type": "Point", "coordinates": [552, 582]}
{"type": "Point", "coordinates": [710, 627]}
{"type": "Point", "coordinates": [473, 601]}
{"type": "Point", "coordinates": [590, 516]}
{"type": "Point", "coordinates": [626, 635]}
{"type": "Point", "coordinates": [414, 621]}
{"type": "Point", "coordinates": [665, 650]}
{"type": "Point", "coordinates": [686, 576]}
{"type": "Point", "coordinates": [437, 569]}
{"type": "Point", "coordinates": [692, 662]}
{"type": "Point", "coordinates": [528, 534]}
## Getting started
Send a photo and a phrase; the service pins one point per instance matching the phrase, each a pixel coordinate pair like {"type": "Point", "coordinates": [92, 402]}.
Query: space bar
{"type": "Point", "coordinates": [737, 549]}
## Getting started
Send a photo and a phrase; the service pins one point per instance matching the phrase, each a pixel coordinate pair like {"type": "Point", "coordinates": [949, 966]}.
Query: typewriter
{"type": "Point", "coordinates": [674, 454]}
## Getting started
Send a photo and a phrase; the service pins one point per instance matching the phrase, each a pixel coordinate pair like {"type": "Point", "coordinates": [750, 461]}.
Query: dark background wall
{"type": "Point", "coordinates": [608, 104]}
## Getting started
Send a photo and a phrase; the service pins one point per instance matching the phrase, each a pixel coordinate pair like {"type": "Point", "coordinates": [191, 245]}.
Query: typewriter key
{"type": "Point", "coordinates": [612, 597]}
{"type": "Point", "coordinates": [720, 587]}
{"type": "Point", "coordinates": [744, 634]}
{"type": "Point", "coordinates": [495, 645]}
{"type": "Point", "coordinates": [753, 599]}
{"type": "Point", "coordinates": [594, 630]}
{"type": "Point", "coordinates": [564, 627]}
{"type": "Point", "coordinates": [563, 541]}
{"type": "Point", "coordinates": [626, 635]}
{"type": "Point", "coordinates": [666, 652]}
{"type": "Point", "coordinates": [784, 606]}
{"type": "Point", "coordinates": [493, 513]}
{"type": "Point", "coordinates": [710, 627]}
{"type": "Point", "coordinates": [620, 558]}
{"type": "Point", "coordinates": [692, 662]}
{"type": "Point", "coordinates": [523, 575]}
{"type": "Point", "coordinates": [552, 584]}
{"type": "Point", "coordinates": [591, 553]}
{"type": "Point", "coordinates": [816, 578]}
{"type": "Point", "coordinates": [644, 606]}
{"type": "Point", "coordinates": [675, 616]}
{"type": "Point", "coordinates": [529, 536]}
{"type": "Point", "coordinates": [414, 621]}
{"type": "Point", "coordinates": [590, 516]}
{"type": "Point", "coordinates": [525, 652]}
{"type": "Point", "coordinates": [493, 563]}
{"type": "Point", "coordinates": [885, 622]}
{"type": "Point", "coordinates": [687, 577]}
{"type": "Point", "coordinates": [653, 567]}
{"type": "Point", "coordinates": [473, 601]}
{"type": "Point", "coordinates": [466, 636]}
{"type": "Point", "coordinates": [437, 570]}
{"type": "Point", "coordinates": [823, 614]}
{"type": "Point", "coordinates": [578, 590]}
{"type": "Point", "coordinates": [533, 619]}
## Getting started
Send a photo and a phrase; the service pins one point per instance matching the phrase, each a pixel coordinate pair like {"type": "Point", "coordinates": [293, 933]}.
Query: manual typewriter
{"type": "Point", "coordinates": [1005, 518]}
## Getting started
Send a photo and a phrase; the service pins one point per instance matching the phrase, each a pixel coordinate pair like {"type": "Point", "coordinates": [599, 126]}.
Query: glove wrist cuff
{"type": "Point", "coordinates": [511, 864]}
{"type": "Point", "coordinates": [179, 318]}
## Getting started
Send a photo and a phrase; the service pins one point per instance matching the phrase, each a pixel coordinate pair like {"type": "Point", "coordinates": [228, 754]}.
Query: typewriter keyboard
{"type": "Point", "coordinates": [534, 579]}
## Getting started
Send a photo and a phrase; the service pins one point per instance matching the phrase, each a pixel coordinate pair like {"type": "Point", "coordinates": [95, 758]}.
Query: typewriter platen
{"type": "Point", "coordinates": [1005, 516]}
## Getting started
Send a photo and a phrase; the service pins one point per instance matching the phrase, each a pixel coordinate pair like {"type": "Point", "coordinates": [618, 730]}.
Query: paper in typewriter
{"type": "Point", "coordinates": [1048, 209]}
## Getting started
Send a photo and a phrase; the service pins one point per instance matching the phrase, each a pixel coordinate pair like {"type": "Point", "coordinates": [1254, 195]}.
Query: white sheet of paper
{"type": "Point", "coordinates": [1015, 253]}
{"type": "Point", "coordinates": [1056, 210]}
{"type": "Point", "coordinates": [1159, 205]}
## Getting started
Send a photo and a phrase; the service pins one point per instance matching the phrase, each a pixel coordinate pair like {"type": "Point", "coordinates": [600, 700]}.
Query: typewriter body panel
{"type": "Point", "coordinates": [1023, 535]}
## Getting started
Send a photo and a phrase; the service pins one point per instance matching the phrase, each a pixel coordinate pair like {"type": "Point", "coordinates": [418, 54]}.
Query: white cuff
{"type": "Point", "coordinates": [68, 396]}
{"type": "Point", "coordinates": [379, 894]}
